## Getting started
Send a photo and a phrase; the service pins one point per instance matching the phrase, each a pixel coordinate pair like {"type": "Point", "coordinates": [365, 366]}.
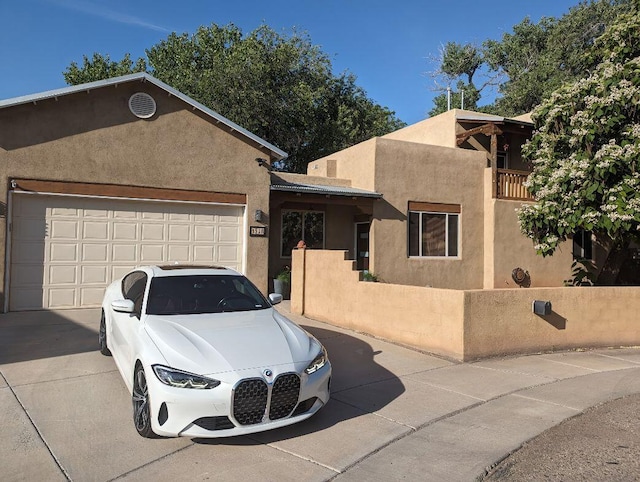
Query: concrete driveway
{"type": "Point", "coordinates": [395, 413]}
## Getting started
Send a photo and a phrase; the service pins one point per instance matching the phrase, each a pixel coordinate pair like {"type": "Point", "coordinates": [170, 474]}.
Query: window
{"type": "Point", "coordinates": [433, 229]}
{"type": "Point", "coordinates": [583, 245]}
{"type": "Point", "coordinates": [133, 286]}
{"type": "Point", "coordinates": [301, 225]}
{"type": "Point", "coordinates": [503, 160]}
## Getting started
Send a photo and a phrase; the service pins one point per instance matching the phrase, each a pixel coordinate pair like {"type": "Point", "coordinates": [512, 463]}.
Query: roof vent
{"type": "Point", "coordinates": [142, 105]}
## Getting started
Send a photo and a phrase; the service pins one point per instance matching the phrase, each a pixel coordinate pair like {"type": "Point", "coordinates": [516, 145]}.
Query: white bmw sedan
{"type": "Point", "coordinates": [204, 354]}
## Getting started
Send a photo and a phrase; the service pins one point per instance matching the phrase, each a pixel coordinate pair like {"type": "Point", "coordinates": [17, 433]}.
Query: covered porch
{"type": "Point", "coordinates": [501, 140]}
{"type": "Point", "coordinates": [325, 213]}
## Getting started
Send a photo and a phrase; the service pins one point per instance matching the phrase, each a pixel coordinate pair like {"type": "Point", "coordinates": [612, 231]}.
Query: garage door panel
{"type": "Point", "coordinates": [152, 253]}
{"type": "Point", "coordinates": [119, 271]}
{"type": "Point", "coordinates": [153, 232]}
{"type": "Point", "coordinates": [204, 233]}
{"type": "Point", "coordinates": [63, 229]}
{"type": "Point", "coordinates": [29, 252]}
{"type": "Point", "coordinates": [65, 212]}
{"type": "Point", "coordinates": [32, 229]}
{"type": "Point", "coordinates": [65, 250]}
{"type": "Point", "coordinates": [96, 213]}
{"type": "Point", "coordinates": [179, 253]}
{"type": "Point", "coordinates": [62, 275]}
{"type": "Point", "coordinates": [28, 276]}
{"type": "Point", "coordinates": [94, 275]}
{"type": "Point", "coordinates": [95, 230]}
{"type": "Point", "coordinates": [228, 254]}
{"type": "Point", "coordinates": [228, 234]}
{"type": "Point", "coordinates": [124, 253]}
{"type": "Point", "coordinates": [204, 254]}
{"type": "Point", "coordinates": [27, 299]}
{"type": "Point", "coordinates": [125, 232]}
{"type": "Point", "coordinates": [179, 232]}
{"type": "Point", "coordinates": [91, 296]}
{"type": "Point", "coordinates": [95, 253]}
{"type": "Point", "coordinates": [61, 298]}
{"type": "Point", "coordinates": [124, 214]}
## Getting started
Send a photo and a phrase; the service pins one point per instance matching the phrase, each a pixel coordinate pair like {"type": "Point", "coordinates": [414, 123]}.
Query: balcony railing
{"type": "Point", "coordinates": [510, 185]}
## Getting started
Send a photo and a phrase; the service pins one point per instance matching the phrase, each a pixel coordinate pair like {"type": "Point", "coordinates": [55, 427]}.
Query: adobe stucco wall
{"type": "Point", "coordinates": [501, 322]}
{"type": "Point", "coordinates": [93, 137]}
{"type": "Point", "coordinates": [324, 286]}
{"type": "Point", "coordinates": [439, 131]}
{"type": "Point", "coordinates": [507, 248]}
{"type": "Point", "coordinates": [464, 325]}
{"type": "Point", "coordinates": [407, 171]}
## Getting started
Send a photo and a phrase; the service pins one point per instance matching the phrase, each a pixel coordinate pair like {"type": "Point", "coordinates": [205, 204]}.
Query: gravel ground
{"type": "Point", "coordinates": [603, 443]}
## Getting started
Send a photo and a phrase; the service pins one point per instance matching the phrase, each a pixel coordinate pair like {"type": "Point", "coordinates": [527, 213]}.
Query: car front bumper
{"type": "Point", "coordinates": [210, 413]}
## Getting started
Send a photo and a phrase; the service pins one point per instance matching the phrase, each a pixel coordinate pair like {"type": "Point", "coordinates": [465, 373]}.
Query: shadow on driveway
{"type": "Point", "coordinates": [33, 335]}
{"type": "Point", "coordinates": [353, 365]}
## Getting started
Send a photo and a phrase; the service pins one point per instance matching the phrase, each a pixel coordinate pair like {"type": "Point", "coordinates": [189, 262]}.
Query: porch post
{"type": "Point", "coordinates": [494, 165]}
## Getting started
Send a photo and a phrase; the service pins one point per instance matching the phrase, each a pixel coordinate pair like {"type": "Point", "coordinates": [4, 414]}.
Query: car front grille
{"type": "Point", "coordinates": [251, 398]}
{"type": "Point", "coordinates": [284, 396]}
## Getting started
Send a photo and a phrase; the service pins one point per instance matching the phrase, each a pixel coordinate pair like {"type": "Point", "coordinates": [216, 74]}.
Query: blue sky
{"type": "Point", "coordinates": [386, 44]}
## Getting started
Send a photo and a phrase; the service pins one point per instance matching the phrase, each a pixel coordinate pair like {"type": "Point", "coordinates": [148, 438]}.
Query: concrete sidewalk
{"type": "Point", "coordinates": [395, 413]}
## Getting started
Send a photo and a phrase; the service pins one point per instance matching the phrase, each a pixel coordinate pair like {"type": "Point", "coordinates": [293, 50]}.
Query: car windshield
{"type": "Point", "coordinates": [182, 295]}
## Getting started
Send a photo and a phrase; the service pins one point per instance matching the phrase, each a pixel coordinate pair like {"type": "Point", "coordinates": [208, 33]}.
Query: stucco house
{"type": "Point", "coordinates": [101, 177]}
{"type": "Point", "coordinates": [437, 206]}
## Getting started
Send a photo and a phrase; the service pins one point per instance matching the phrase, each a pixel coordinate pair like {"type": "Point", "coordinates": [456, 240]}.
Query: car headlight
{"type": "Point", "coordinates": [180, 379]}
{"type": "Point", "coordinates": [318, 362]}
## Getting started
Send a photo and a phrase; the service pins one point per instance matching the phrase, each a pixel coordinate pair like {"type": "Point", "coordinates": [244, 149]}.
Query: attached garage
{"type": "Point", "coordinates": [64, 250]}
{"type": "Point", "coordinates": [101, 177]}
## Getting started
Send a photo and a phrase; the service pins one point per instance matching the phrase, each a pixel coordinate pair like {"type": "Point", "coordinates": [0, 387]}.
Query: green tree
{"type": "Point", "coordinates": [586, 152]}
{"type": "Point", "coordinates": [458, 64]}
{"type": "Point", "coordinates": [530, 62]}
{"type": "Point", "coordinates": [537, 58]}
{"type": "Point", "coordinates": [101, 67]}
{"type": "Point", "coordinates": [280, 87]}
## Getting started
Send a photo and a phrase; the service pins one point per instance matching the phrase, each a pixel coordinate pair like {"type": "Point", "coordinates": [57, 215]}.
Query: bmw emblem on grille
{"type": "Point", "coordinates": [267, 374]}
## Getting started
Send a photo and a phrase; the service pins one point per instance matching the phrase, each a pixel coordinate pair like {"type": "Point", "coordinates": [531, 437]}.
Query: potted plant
{"type": "Point", "coordinates": [282, 282]}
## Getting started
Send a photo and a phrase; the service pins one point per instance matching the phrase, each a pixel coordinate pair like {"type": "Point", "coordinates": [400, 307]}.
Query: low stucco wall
{"type": "Point", "coordinates": [464, 325]}
{"type": "Point", "coordinates": [325, 287]}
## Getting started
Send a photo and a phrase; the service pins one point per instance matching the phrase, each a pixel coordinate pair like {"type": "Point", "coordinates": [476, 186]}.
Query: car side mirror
{"type": "Point", "coordinates": [275, 298]}
{"type": "Point", "coordinates": [123, 306]}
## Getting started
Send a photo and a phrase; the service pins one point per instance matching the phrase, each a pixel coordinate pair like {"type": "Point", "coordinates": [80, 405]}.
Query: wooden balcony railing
{"type": "Point", "coordinates": [509, 184]}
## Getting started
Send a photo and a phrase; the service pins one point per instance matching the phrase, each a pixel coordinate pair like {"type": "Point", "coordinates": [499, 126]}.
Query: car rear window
{"type": "Point", "coordinates": [181, 295]}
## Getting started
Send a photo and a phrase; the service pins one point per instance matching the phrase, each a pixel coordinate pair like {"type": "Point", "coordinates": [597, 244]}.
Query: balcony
{"type": "Point", "coordinates": [509, 184]}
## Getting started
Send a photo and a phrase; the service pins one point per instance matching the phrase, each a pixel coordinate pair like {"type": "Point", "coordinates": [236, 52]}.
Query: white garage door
{"type": "Point", "coordinates": [65, 250]}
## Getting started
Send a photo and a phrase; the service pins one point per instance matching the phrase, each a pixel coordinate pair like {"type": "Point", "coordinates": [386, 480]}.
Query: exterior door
{"type": "Point", "coordinates": [362, 246]}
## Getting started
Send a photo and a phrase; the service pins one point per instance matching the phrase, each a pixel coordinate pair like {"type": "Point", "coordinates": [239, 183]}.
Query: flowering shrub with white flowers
{"type": "Point", "coordinates": [585, 149]}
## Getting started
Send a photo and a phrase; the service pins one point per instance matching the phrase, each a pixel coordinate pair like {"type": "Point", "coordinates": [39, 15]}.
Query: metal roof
{"type": "Point", "coordinates": [143, 77]}
{"type": "Point", "coordinates": [324, 189]}
{"type": "Point", "coordinates": [481, 117]}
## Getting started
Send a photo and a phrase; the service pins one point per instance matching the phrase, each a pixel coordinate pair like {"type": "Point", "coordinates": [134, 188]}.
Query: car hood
{"type": "Point", "coordinates": [209, 344]}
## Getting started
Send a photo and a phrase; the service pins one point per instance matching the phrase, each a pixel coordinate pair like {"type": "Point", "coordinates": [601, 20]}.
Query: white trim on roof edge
{"type": "Point", "coordinates": [143, 77]}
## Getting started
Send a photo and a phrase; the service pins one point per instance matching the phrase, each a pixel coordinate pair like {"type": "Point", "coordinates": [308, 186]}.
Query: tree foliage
{"type": "Point", "coordinates": [101, 67]}
{"type": "Point", "coordinates": [586, 148]}
{"type": "Point", "coordinates": [280, 87]}
{"type": "Point", "coordinates": [534, 59]}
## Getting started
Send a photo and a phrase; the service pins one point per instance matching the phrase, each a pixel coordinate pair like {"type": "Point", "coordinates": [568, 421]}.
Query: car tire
{"type": "Point", "coordinates": [140, 401]}
{"type": "Point", "coordinates": [102, 336]}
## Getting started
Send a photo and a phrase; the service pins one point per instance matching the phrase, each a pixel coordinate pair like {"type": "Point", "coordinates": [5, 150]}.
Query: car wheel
{"type": "Point", "coordinates": [102, 337]}
{"type": "Point", "coordinates": [140, 399]}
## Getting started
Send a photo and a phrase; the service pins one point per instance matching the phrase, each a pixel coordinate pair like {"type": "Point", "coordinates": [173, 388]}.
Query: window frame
{"type": "Point", "coordinates": [303, 212]}
{"type": "Point", "coordinates": [583, 245]}
{"type": "Point", "coordinates": [447, 210]}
